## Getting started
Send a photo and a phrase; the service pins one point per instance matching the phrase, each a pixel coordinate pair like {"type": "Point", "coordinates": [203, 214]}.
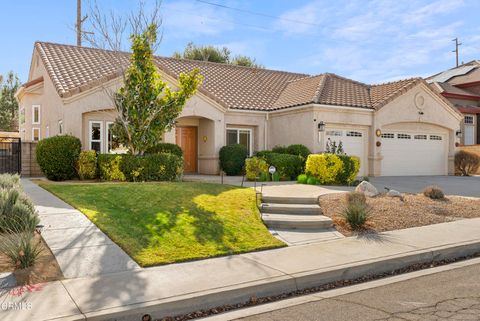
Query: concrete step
{"type": "Point", "coordinates": [281, 221]}
{"type": "Point", "coordinates": [289, 200]}
{"type": "Point", "coordinates": [293, 209]}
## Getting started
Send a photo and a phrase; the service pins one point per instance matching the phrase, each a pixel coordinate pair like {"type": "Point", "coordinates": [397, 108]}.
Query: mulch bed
{"type": "Point", "coordinates": [46, 268]}
{"type": "Point", "coordinates": [392, 213]}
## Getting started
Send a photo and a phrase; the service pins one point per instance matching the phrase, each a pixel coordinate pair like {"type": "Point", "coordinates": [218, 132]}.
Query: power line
{"type": "Point", "coordinates": [257, 13]}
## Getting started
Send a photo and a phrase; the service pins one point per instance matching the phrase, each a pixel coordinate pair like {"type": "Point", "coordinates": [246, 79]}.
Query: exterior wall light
{"type": "Point", "coordinates": [459, 133]}
{"type": "Point", "coordinates": [321, 126]}
{"type": "Point", "coordinates": [378, 133]}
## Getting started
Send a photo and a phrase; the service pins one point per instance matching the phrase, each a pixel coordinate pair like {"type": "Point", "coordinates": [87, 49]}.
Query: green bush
{"type": "Point", "coordinates": [280, 149]}
{"type": "Point", "coordinates": [87, 164]}
{"type": "Point", "coordinates": [324, 167]}
{"type": "Point", "coordinates": [109, 167]}
{"type": "Point", "coordinates": [17, 213]}
{"type": "Point", "coordinates": [254, 167]}
{"type": "Point", "coordinates": [302, 179]}
{"type": "Point", "coordinates": [357, 212]}
{"type": "Point", "coordinates": [312, 181]}
{"type": "Point", "coordinates": [299, 150]}
{"type": "Point", "coordinates": [58, 156]}
{"type": "Point", "coordinates": [232, 158]}
{"type": "Point", "coordinates": [165, 148]}
{"type": "Point", "coordinates": [154, 167]}
{"type": "Point", "coordinates": [288, 166]}
{"type": "Point", "coordinates": [265, 154]}
{"type": "Point", "coordinates": [466, 163]}
{"type": "Point", "coordinates": [349, 171]}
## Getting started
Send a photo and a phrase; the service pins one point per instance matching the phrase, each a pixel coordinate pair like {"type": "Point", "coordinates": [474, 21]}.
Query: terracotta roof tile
{"type": "Point", "coordinates": [381, 94]}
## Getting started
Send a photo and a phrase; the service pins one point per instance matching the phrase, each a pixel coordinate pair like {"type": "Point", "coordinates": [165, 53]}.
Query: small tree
{"type": "Point", "coordinates": [147, 107]}
{"type": "Point", "coordinates": [8, 103]}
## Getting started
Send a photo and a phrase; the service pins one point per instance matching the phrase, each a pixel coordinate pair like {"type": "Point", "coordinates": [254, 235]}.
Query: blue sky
{"type": "Point", "coordinates": [369, 41]}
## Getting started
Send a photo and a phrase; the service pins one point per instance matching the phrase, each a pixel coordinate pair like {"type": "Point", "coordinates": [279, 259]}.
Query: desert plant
{"type": "Point", "coordinates": [17, 212]}
{"type": "Point", "coordinates": [302, 179]}
{"type": "Point", "coordinates": [254, 167]}
{"type": "Point", "coordinates": [433, 192]}
{"type": "Point", "coordinates": [165, 148]}
{"type": "Point", "coordinates": [57, 156]}
{"type": "Point", "coordinates": [356, 197]}
{"type": "Point", "coordinates": [466, 163]}
{"type": "Point", "coordinates": [87, 164]}
{"type": "Point", "coordinates": [232, 158]}
{"type": "Point", "coordinates": [356, 212]}
{"type": "Point", "coordinates": [21, 249]}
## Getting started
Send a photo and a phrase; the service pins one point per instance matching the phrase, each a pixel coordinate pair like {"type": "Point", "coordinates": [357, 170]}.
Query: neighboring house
{"type": "Point", "coordinates": [461, 86]}
{"type": "Point", "coordinates": [398, 128]}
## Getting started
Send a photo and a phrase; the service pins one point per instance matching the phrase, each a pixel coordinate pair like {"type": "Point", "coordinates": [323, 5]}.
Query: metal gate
{"type": "Point", "coordinates": [10, 155]}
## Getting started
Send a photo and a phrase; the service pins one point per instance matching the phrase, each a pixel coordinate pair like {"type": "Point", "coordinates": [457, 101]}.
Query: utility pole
{"type": "Point", "coordinates": [456, 48]}
{"type": "Point", "coordinates": [80, 21]}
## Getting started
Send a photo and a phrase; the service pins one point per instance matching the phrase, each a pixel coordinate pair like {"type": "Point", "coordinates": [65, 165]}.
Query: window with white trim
{"type": "Point", "coordinates": [404, 136]}
{"type": "Point", "coordinates": [35, 114]}
{"type": "Point", "coordinates": [435, 137]}
{"type": "Point", "coordinates": [469, 120]}
{"type": "Point", "coordinates": [388, 135]}
{"type": "Point", "coordinates": [242, 136]}
{"type": "Point", "coordinates": [35, 134]}
{"type": "Point", "coordinates": [60, 127]}
{"type": "Point", "coordinates": [96, 136]}
{"type": "Point", "coordinates": [421, 137]}
{"type": "Point", "coordinates": [334, 133]}
{"type": "Point", "coordinates": [354, 134]}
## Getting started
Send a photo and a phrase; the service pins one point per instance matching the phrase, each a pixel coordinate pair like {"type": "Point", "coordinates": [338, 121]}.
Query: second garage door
{"type": "Point", "coordinates": [354, 143]}
{"type": "Point", "coordinates": [414, 154]}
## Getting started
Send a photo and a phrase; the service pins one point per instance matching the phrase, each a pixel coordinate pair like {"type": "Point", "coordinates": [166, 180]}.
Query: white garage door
{"type": "Point", "coordinates": [354, 143]}
{"type": "Point", "coordinates": [414, 153]}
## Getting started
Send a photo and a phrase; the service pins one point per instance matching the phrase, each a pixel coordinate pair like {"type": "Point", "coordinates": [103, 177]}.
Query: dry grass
{"type": "Point", "coordinates": [393, 214]}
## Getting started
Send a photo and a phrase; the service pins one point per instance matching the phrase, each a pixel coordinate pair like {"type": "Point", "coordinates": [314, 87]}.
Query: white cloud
{"type": "Point", "coordinates": [309, 15]}
{"type": "Point", "coordinates": [426, 12]}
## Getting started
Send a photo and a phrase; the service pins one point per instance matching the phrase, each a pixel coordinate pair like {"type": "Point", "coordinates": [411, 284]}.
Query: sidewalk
{"type": "Point", "coordinates": [80, 247]}
{"type": "Point", "coordinates": [186, 287]}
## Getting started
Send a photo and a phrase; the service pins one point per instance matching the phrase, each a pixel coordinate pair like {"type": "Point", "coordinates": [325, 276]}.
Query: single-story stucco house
{"type": "Point", "coordinates": [398, 128]}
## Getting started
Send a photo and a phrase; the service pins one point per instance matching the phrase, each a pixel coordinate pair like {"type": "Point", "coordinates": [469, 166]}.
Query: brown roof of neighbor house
{"type": "Point", "coordinates": [445, 87]}
{"type": "Point", "coordinates": [75, 69]}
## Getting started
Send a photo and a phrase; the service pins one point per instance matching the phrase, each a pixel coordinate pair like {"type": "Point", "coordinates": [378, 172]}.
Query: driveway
{"type": "Point", "coordinates": [451, 185]}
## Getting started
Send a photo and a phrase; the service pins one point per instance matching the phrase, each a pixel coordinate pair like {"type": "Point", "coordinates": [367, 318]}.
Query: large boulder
{"type": "Point", "coordinates": [367, 189]}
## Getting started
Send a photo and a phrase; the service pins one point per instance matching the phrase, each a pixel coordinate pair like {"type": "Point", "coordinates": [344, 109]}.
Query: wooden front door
{"type": "Point", "coordinates": [186, 138]}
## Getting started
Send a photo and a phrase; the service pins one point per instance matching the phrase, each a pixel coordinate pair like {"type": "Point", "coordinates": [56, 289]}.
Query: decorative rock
{"type": "Point", "coordinates": [394, 193]}
{"type": "Point", "coordinates": [367, 189]}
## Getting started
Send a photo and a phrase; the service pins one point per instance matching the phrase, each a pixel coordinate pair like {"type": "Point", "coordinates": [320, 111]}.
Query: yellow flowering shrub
{"type": "Point", "coordinates": [324, 167]}
{"type": "Point", "coordinates": [254, 167]}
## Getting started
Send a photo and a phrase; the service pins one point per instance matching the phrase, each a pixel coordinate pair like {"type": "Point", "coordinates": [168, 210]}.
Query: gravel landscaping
{"type": "Point", "coordinates": [389, 213]}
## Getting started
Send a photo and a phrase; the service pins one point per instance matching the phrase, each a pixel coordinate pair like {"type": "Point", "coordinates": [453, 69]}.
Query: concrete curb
{"type": "Point", "coordinates": [274, 286]}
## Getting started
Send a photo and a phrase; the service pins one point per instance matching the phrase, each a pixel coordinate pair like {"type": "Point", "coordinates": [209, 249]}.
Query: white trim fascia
{"type": "Point", "coordinates": [360, 110]}
{"type": "Point", "coordinates": [247, 111]}
{"type": "Point", "coordinates": [102, 146]}
{"type": "Point", "coordinates": [39, 114]}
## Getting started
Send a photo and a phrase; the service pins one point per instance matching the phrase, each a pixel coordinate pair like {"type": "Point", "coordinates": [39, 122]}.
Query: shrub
{"type": "Point", "coordinates": [17, 213]}
{"type": "Point", "coordinates": [156, 167]}
{"type": "Point", "coordinates": [350, 169]}
{"type": "Point", "coordinates": [299, 150]}
{"type": "Point", "coordinates": [302, 179]}
{"type": "Point", "coordinates": [280, 149]}
{"type": "Point", "coordinates": [466, 163]}
{"type": "Point", "coordinates": [232, 158]}
{"type": "Point", "coordinates": [9, 181]}
{"type": "Point", "coordinates": [109, 167]}
{"type": "Point", "coordinates": [165, 148]}
{"type": "Point", "coordinates": [433, 192]}
{"type": "Point", "coordinates": [287, 166]}
{"type": "Point", "coordinates": [254, 167]}
{"type": "Point", "coordinates": [21, 249]}
{"type": "Point", "coordinates": [57, 156]}
{"type": "Point", "coordinates": [357, 212]}
{"type": "Point", "coordinates": [312, 181]}
{"type": "Point", "coordinates": [265, 154]}
{"type": "Point", "coordinates": [324, 167]}
{"type": "Point", "coordinates": [87, 164]}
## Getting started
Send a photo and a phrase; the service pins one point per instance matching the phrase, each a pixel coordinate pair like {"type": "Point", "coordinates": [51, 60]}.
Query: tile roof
{"type": "Point", "coordinates": [445, 87]}
{"type": "Point", "coordinates": [75, 69]}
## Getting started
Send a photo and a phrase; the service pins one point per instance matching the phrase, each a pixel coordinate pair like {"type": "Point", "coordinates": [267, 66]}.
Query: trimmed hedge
{"type": "Point", "coordinates": [57, 156]}
{"type": "Point", "coordinates": [155, 167]}
{"type": "Point", "coordinates": [232, 159]}
{"type": "Point", "coordinates": [288, 166]}
{"type": "Point", "coordinates": [299, 150]}
{"type": "Point", "coordinates": [87, 164]}
{"type": "Point", "coordinates": [280, 149]}
{"type": "Point", "coordinates": [165, 148]}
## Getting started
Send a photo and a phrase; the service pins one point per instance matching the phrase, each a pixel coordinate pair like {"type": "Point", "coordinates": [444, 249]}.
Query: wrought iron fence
{"type": "Point", "coordinates": [10, 155]}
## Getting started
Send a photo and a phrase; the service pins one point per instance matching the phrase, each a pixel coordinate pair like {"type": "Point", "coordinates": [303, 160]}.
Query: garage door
{"type": "Point", "coordinates": [354, 143]}
{"type": "Point", "coordinates": [414, 153]}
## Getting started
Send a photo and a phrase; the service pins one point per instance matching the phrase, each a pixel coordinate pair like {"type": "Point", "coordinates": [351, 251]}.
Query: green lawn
{"type": "Point", "coordinates": [159, 223]}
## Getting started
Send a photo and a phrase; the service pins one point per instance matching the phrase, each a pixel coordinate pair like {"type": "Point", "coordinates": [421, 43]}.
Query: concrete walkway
{"type": "Point", "coordinates": [186, 287]}
{"type": "Point", "coordinates": [80, 248]}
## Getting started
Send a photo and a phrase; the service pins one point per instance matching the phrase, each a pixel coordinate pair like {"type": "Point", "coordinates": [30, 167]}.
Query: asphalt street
{"type": "Point", "coordinates": [449, 295]}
